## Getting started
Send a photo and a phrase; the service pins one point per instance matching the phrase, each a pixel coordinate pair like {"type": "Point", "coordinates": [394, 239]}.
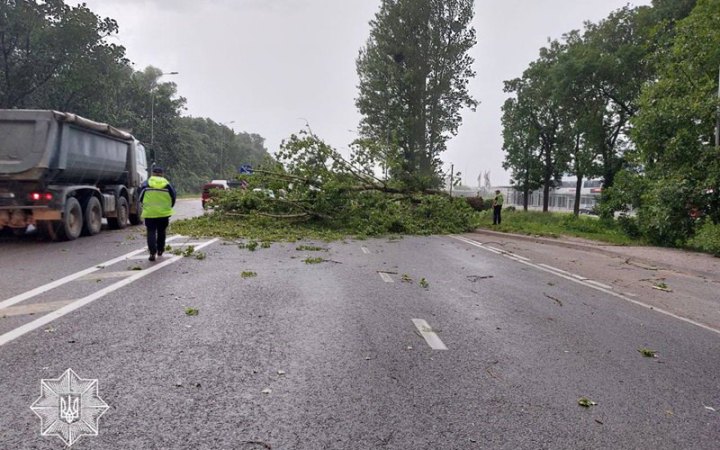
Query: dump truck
{"type": "Point", "coordinates": [63, 174]}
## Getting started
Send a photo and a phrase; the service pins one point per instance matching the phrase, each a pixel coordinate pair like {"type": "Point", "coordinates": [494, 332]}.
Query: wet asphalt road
{"type": "Point", "coordinates": [326, 356]}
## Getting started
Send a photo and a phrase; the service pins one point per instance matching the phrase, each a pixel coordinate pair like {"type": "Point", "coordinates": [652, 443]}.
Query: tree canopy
{"type": "Point", "coordinates": [56, 56]}
{"type": "Point", "coordinates": [414, 74]}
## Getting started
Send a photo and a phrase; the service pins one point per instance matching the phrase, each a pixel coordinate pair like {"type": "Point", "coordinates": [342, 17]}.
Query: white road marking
{"type": "Point", "coordinates": [33, 309]}
{"type": "Point", "coordinates": [599, 284]}
{"type": "Point", "coordinates": [386, 277]}
{"type": "Point", "coordinates": [365, 250]}
{"type": "Point", "coordinates": [570, 277]}
{"type": "Point", "coordinates": [77, 304]}
{"type": "Point", "coordinates": [194, 244]}
{"type": "Point", "coordinates": [52, 285]}
{"type": "Point", "coordinates": [429, 335]}
{"type": "Point", "coordinates": [493, 249]}
{"type": "Point", "coordinates": [138, 257]}
{"type": "Point", "coordinates": [103, 276]}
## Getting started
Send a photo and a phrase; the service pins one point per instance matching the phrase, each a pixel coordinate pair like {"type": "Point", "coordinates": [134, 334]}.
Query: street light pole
{"type": "Point", "coordinates": [152, 112]}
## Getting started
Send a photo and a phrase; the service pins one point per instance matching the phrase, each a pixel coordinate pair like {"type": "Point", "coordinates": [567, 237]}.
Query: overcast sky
{"type": "Point", "coordinates": [269, 65]}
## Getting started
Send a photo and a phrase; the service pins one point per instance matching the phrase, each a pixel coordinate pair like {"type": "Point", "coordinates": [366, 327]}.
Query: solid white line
{"type": "Point", "coordinates": [493, 249]}
{"type": "Point", "coordinates": [555, 269]}
{"type": "Point", "coordinates": [514, 256]}
{"type": "Point", "coordinates": [429, 335]}
{"type": "Point", "coordinates": [365, 250]}
{"type": "Point", "coordinates": [52, 285]}
{"type": "Point", "coordinates": [386, 277]}
{"type": "Point", "coordinates": [570, 277]}
{"type": "Point", "coordinates": [597, 283]}
{"type": "Point", "coordinates": [46, 319]}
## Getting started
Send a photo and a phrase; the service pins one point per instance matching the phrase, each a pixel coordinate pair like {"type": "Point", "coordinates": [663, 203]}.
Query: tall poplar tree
{"type": "Point", "coordinates": [414, 74]}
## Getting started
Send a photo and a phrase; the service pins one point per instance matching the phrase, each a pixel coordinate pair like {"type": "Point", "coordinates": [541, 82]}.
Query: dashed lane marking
{"type": "Point", "coordinates": [386, 277]}
{"type": "Point", "coordinates": [594, 285]}
{"type": "Point", "coordinates": [429, 334]}
{"type": "Point", "coordinates": [77, 304]}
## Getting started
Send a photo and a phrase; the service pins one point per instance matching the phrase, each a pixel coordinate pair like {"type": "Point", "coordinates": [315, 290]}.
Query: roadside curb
{"type": "Point", "coordinates": [604, 249]}
{"type": "Point", "coordinates": [549, 241]}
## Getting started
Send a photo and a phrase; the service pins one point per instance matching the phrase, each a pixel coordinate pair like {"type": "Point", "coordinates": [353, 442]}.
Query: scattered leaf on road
{"type": "Point", "coordinates": [646, 352]}
{"type": "Point", "coordinates": [662, 287]}
{"type": "Point", "coordinates": [424, 283]}
{"type": "Point", "coordinates": [266, 391]}
{"type": "Point", "coordinates": [191, 311]}
{"type": "Point", "coordinates": [586, 402]}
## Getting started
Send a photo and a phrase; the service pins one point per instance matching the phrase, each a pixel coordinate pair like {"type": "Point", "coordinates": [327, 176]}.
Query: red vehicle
{"type": "Point", "coordinates": [207, 187]}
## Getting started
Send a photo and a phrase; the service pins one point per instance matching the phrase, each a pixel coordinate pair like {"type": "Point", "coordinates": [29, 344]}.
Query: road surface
{"type": "Point", "coordinates": [416, 343]}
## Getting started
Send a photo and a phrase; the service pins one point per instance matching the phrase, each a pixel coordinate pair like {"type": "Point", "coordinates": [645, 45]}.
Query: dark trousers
{"type": "Point", "coordinates": [496, 214]}
{"type": "Point", "coordinates": [156, 229]}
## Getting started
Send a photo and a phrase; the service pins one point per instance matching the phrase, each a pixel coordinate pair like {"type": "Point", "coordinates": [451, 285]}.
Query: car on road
{"type": "Point", "coordinates": [206, 196]}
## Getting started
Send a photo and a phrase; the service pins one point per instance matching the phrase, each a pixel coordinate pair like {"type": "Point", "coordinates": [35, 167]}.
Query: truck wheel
{"type": "Point", "coordinates": [121, 221]}
{"type": "Point", "coordinates": [136, 219]}
{"type": "Point", "coordinates": [71, 225]}
{"type": "Point", "coordinates": [93, 217]}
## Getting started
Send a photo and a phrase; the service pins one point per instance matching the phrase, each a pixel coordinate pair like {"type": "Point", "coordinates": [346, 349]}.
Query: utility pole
{"type": "Point", "coordinates": [452, 170]}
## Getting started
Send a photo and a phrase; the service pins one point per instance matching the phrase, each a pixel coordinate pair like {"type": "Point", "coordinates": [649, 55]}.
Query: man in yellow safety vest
{"type": "Point", "coordinates": [158, 198]}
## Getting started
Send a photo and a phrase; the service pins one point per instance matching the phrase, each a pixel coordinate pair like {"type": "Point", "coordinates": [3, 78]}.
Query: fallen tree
{"type": "Point", "coordinates": [312, 189]}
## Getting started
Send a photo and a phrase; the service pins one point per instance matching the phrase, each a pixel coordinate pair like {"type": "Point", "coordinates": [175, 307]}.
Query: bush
{"type": "Point", "coordinates": [663, 216]}
{"type": "Point", "coordinates": [629, 225]}
{"type": "Point", "coordinates": [707, 239]}
{"type": "Point", "coordinates": [476, 203]}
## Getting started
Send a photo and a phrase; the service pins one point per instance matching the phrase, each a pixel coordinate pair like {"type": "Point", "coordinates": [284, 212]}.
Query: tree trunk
{"type": "Point", "coordinates": [578, 191]}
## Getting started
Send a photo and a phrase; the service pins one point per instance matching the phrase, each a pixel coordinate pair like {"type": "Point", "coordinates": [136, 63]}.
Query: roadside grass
{"type": "Point", "coordinates": [556, 224]}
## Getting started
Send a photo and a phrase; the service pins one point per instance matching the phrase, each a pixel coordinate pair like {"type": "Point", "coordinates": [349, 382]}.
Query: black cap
{"type": "Point", "coordinates": [157, 169]}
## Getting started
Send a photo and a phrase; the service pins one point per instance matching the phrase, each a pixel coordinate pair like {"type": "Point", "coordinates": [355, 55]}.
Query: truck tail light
{"type": "Point", "coordinates": [41, 196]}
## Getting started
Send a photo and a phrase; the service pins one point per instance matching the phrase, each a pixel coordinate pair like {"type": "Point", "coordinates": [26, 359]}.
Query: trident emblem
{"type": "Point", "coordinates": [70, 408]}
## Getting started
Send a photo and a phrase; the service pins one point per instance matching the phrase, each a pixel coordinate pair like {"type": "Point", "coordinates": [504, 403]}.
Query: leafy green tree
{"type": "Point", "coordinates": [582, 112]}
{"type": "Point", "coordinates": [208, 150]}
{"type": "Point", "coordinates": [674, 129]}
{"type": "Point", "coordinates": [537, 111]}
{"type": "Point", "coordinates": [414, 73]}
{"type": "Point", "coordinates": [521, 150]}
{"type": "Point", "coordinates": [53, 55]}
